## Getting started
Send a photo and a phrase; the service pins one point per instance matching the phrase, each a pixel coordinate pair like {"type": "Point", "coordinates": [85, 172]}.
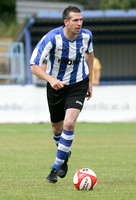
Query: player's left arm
{"type": "Point", "coordinates": [89, 58]}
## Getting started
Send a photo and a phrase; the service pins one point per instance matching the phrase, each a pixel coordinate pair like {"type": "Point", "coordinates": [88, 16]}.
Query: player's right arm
{"type": "Point", "coordinates": [39, 71]}
{"type": "Point", "coordinates": [40, 52]}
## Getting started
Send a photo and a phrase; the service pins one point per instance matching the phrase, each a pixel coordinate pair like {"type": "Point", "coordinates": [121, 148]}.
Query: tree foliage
{"type": "Point", "coordinates": [7, 10]}
{"type": "Point", "coordinates": [118, 4]}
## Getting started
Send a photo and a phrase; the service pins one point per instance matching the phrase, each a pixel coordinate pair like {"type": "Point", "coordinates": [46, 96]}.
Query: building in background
{"type": "Point", "coordinates": [25, 9]}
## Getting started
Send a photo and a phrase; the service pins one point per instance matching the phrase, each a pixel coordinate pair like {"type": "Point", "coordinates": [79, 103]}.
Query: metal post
{"type": "Point", "coordinates": [22, 71]}
{"type": "Point", "coordinates": [28, 55]}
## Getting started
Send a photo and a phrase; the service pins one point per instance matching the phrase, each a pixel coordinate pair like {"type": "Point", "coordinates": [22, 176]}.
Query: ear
{"type": "Point", "coordinates": [65, 21]}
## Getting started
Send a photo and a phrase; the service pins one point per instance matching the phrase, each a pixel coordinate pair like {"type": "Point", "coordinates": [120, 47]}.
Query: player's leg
{"type": "Point", "coordinates": [57, 113]}
{"type": "Point", "coordinates": [67, 138]}
{"type": "Point", "coordinates": [60, 167]}
{"type": "Point", "coordinates": [70, 118]}
{"type": "Point", "coordinates": [57, 129]}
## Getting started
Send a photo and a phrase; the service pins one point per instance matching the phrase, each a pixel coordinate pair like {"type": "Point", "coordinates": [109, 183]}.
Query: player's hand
{"type": "Point", "coordinates": [89, 92]}
{"type": "Point", "coordinates": [88, 95]}
{"type": "Point", "coordinates": [57, 84]}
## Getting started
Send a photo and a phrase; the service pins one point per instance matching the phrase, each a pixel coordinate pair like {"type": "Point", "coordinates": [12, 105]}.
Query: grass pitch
{"type": "Point", "coordinates": [27, 152]}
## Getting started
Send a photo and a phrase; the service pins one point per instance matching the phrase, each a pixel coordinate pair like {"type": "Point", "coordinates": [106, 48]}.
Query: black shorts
{"type": "Point", "coordinates": [71, 96]}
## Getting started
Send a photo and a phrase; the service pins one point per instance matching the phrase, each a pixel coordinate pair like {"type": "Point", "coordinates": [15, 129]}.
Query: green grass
{"type": "Point", "coordinates": [27, 152]}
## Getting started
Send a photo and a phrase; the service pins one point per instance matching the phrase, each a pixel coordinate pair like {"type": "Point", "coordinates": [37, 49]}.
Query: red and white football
{"type": "Point", "coordinates": [85, 179]}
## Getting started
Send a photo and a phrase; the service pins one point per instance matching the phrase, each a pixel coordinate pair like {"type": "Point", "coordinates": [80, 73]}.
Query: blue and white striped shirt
{"type": "Point", "coordinates": [65, 58]}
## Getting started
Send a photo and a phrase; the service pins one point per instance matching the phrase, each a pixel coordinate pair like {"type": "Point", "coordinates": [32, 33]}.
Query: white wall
{"type": "Point", "coordinates": [27, 104]}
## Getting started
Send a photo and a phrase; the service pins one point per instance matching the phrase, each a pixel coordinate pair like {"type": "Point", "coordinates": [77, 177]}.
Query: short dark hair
{"type": "Point", "coordinates": [69, 9]}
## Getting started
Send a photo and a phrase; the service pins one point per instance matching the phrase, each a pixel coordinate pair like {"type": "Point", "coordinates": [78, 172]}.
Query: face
{"type": "Point", "coordinates": [74, 24]}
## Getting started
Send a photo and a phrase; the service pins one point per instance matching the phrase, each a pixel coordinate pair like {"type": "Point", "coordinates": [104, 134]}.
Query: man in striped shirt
{"type": "Point", "coordinates": [69, 53]}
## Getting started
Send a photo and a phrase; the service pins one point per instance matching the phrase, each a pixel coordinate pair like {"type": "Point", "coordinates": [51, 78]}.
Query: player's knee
{"type": "Point", "coordinates": [69, 125]}
{"type": "Point", "coordinates": [57, 130]}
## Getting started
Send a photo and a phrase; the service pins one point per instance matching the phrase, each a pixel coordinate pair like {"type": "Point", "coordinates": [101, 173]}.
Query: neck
{"type": "Point", "coordinates": [69, 35]}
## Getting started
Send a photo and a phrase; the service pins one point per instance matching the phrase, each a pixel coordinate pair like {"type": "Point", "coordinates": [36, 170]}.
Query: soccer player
{"type": "Point", "coordinates": [69, 53]}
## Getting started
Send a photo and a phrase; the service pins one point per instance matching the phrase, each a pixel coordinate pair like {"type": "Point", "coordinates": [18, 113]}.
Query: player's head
{"type": "Point", "coordinates": [72, 19]}
{"type": "Point", "coordinates": [66, 12]}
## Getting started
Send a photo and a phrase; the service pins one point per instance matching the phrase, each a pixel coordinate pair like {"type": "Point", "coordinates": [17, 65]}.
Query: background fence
{"type": "Point", "coordinates": [12, 69]}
